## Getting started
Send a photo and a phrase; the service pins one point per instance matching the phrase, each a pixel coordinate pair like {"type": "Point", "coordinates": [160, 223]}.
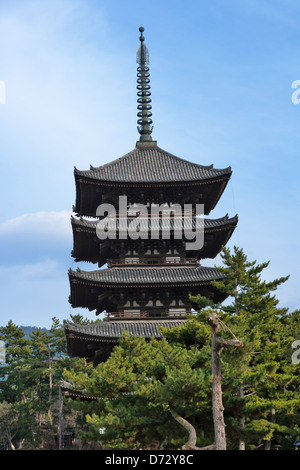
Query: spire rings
{"type": "Point", "coordinates": [144, 94]}
{"type": "Point", "coordinates": [143, 85]}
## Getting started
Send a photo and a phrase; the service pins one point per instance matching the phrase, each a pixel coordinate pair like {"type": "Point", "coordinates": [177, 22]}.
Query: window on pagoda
{"type": "Point", "coordinates": [132, 260]}
{"type": "Point", "coordinates": [153, 261]}
{"type": "Point", "coordinates": [172, 259]}
{"type": "Point", "coordinates": [177, 311]}
{"type": "Point", "coordinates": [135, 311]}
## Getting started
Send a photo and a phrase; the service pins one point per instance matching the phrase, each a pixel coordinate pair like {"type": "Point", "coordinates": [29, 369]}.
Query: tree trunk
{"type": "Point", "coordinates": [50, 384]}
{"type": "Point", "coordinates": [217, 404]}
{"type": "Point", "coordinates": [216, 344]}
{"type": "Point", "coordinates": [268, 444]}
{"type": "Point", "coordinates": [60, 401]}
{"type": "Point", "coordinates": [242, 445]}
{"type": "Point", "coordinates": [11, 444]}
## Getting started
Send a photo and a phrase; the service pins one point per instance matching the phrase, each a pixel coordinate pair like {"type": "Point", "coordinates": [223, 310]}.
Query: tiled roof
{"type": "Point", "coordinates": [151, 165]}
{"type": "Point", "coordinates": [153, 276]}
{"type": "Point", "coordinates": [110, 329]}
{"type": "Point", "coordinates": [96, 341]}
{"type": "Point", "coordinates": [208, 223]}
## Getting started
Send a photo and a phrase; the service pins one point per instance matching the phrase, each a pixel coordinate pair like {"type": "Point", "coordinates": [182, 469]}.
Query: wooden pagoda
{"type": "Point", "coordinates": [142, 281]}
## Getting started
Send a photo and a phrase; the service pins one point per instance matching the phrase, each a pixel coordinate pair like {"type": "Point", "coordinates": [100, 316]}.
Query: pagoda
{"type": "Point", "coordinates": [134, 220]}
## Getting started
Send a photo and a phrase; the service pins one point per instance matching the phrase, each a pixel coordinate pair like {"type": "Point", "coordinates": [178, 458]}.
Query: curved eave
{"type": "Point", "coordinates": [92, 289]}
{"type": "Point", "coordinates": [150, 164]}
{"type": "Point", "coordinates": [154, 276]}
{"type": "Point", "coordinates": [95, 341]}
{"type": "Point", "coordinates": [88, 178]}
{"type": "Point", "coordinates": [209, 224]}
{"type": "Point", "coordinates": [89, 191]}
{"type": "Point", "coordinates": [88, 247]}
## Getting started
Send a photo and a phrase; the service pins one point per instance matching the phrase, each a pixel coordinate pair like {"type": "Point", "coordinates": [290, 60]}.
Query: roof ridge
{"type": "Point", "coordinates": [96, 168]}
{"type": "Point", "coordinates": [207, 167]}
{"type": "Point", "coordinates": [100, 167]}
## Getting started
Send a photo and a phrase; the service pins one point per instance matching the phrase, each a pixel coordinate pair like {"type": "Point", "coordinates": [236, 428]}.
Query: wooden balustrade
{"type": "Point", "coordinates": [134, 212]}
{"type": "Point", "coordinates": [152, 261]}
{"type": "Point", "coordinates": [143, 316]}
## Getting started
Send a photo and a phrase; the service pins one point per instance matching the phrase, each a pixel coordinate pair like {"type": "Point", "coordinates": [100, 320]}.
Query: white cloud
{"type": "Point", "coordinates": [36, 237]}
{"type": "Point", "coordinates": [33, 293]}
{"type": "Point", "coordinates": [39, 224]}
{"type": "Point", "coordinates": [66, 81]}
{"type": "Point", "coordinates": [35, 259]}
{"type": "Point", "coordinates": [36, 272]}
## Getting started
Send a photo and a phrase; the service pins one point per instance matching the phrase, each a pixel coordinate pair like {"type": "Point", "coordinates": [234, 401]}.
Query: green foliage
{"type": "Point", "coordinates": [135, 389]}
{"type": "Point", "coordinates": [141, 381]}
{"type": "Point", "coordinates": [264, 364]}
{"type": "Point", "coordinates": [29, 382]}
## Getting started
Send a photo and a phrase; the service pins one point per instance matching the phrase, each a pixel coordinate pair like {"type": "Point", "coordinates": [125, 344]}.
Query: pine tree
{"type": "Point", "coordinates": [147, 394]}
{"type": "Point", "coordinates": [30, 378]}
{"type": "Point", "coordinates": [17, 352]}
{"type": "Point", "coordinates": [259, 378]}
{"type": "Point", "coordinates": [13, 380]}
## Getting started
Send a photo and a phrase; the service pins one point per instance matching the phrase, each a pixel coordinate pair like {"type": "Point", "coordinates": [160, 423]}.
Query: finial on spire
{"type": "Point", "coordinates": [144, 100]}
{"type": "Point", "coordinates": [141, 30]}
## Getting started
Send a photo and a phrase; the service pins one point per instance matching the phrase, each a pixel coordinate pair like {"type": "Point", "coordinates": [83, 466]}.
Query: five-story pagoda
{"type": "Point", "coordinates": [147, 228]}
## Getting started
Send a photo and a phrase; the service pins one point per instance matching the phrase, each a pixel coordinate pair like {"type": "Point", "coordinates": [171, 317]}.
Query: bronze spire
{"type": "Point", "coordinates": [144, 107]}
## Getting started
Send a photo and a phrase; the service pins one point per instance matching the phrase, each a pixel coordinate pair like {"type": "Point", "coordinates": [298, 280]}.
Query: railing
{"type": "Point", "coordinates": [183, 261]}
{"type": "Point", "coordinates": [143, 315]}
{"type": "Point", "coordinates": [152, 261]}
{"type": "Point", "coordinates": [152, 213]}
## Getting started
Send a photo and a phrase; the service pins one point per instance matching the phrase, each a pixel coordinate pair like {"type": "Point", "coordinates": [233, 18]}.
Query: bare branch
{"type": "Point", "coordinates": [191, 444]}
{"type": "Point", "coordinates": [229, 342]}
{"type": "Point", "coordinates": [188, 426]}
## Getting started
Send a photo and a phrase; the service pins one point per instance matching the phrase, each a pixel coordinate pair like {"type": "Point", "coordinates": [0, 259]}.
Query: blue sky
{"type": "Point", "coordinates": [221, 82]}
